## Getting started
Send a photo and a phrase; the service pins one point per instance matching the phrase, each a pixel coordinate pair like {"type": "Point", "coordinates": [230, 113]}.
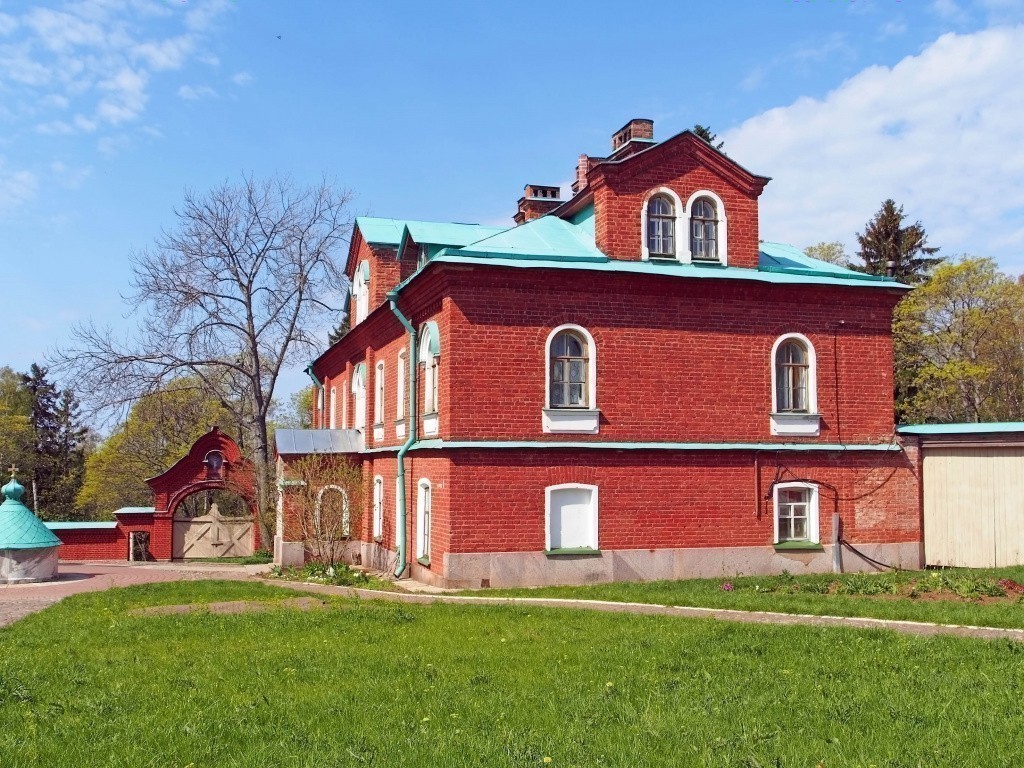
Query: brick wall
{"type": "Point", "coordinates": [677, 359]}
{"type": "Point", "coordinates": [657, 499]}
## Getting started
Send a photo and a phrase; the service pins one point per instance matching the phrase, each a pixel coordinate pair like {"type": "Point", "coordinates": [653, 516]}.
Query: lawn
{"type": "Point", "coordinates": [990, 598]}
{"type": "Point", "coordinates": [361, 683]}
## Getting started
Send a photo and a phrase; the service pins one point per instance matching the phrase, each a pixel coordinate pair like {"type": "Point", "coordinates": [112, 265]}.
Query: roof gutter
{"type": "Point", "coordinates": [401, 514]}
{"type": "Point", "coordinates": [309, 372]}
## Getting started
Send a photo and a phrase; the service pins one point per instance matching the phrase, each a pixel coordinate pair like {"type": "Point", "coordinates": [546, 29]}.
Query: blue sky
{"type": "Point", "coordinates": [110, 109]}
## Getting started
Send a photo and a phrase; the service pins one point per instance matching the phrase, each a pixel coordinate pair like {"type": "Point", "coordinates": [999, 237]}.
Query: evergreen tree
{"type": "Point", "coordinates": [705, 133]}
{"type": "Point", "coordinates": [43, 420]}
{"type": "Point", "coordinates": [887, 244]}
{"type": "Point", "coordinates": [343, 328]}
{"type": "Point", "coordinates": [71, 445]}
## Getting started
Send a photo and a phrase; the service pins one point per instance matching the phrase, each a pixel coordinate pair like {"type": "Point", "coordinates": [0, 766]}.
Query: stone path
{"type": "Point", "coordinates": [18, 601]}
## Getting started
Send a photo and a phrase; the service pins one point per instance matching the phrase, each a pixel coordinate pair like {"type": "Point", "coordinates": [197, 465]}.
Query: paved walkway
{"type": "Point", "coordinates": [17, 601]}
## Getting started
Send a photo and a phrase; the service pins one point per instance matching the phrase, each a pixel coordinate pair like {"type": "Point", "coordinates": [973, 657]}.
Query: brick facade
{"type": "Point", "coordinates": [684, 458]}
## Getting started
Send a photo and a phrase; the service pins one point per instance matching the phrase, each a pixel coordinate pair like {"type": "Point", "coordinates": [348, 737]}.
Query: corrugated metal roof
{"type": "Point", "coordinates": [988, 428]}
{"type": "Point", "coordinates": [78, 526]}
{"type": "Point", "coordinates": [301, 442]}
{"type": "Point", "coordinates": [19, 528]}
{"type": "Point", "coordinates": [135, 511]}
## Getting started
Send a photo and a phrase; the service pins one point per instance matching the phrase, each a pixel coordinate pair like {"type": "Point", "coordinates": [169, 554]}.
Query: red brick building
{"type": "Point", "coordinates": [627, 384]}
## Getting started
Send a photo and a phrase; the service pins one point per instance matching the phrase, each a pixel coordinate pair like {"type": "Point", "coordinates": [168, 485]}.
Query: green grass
{"type": "Point", "coordinates": [376, 684]}
{"type": "Point", "coordinates": [257, 558]}
{"type": "Point", "coordinates": [946, 597]}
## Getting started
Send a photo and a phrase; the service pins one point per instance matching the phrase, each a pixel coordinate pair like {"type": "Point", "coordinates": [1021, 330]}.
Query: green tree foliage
{"type": "Point", "coordinates": [832, 252]}
{"type": "Point", "coordinates": [959, 345]}
{"type": "Point", "coordinates": [298, 414]}
{"type": "Point", "coordinates": [159, 430]}
{"type": "Point", "coordinates": [704, 131]}
{"type": "Point", "coordinates": [886, 241]}
{"type": "Point", "coordinates": [41, 432]}
{"type": "Point", "coordinates": [343, 327]}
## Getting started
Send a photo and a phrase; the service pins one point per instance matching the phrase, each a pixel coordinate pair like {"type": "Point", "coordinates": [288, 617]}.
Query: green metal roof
{"type": "Point", "coordinates": [135, 511]}
{"type": "Point", "coordinates": [546, 237]}
{"type": "Point", "coordinates": [81, 526]}
{"type": "Point", "coordinates": [19, 528]}
{"type": "Point", "coordinates": [391, 231]}
{"type": "Point", "coordinates": [988, 428]}
{"type": "Point", "coordinates": [429, 331]}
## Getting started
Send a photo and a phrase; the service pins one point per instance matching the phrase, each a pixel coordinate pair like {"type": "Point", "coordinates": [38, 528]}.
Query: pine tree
{"type": "Point", "coordinates": [704, 131]}
{"type": "Point", "coordinates": [43, 421]}
{"type": "Point", "coordinates": [343, 328]}
{"type": "Point", "coordinates": [888, 245]}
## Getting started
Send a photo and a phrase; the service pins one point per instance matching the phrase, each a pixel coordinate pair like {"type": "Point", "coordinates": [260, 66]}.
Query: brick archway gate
{"type": "Point", "coordinates": [214, 462]}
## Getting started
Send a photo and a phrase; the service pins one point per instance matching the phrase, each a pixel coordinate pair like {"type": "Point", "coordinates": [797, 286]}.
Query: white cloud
{"type": "Point", "coordinates": [241, 78]}
{"type": "Point", "coordinates": [938, 132]}
{"type": "Point", "coordinates": [165, 54]}
{"type": "Point", "coordinates": [127, 96]}
{"type": "Point", "coordinates": [7, 24]}
{"type": "Point", "coordinates": [16, 187]}
{"type": "Point", "coordinates": [196, 92]}
{"type": "Point", "coordinates": [893, 29]}
{"type": "Point", "coordinates": [69, 177]}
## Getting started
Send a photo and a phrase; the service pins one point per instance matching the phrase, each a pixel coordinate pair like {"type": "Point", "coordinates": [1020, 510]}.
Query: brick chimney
{"type": "Point", "coordinates": [637, 128]}
{"type": "Point", "coordinates": [536, 201]}
{"type": "Point", "coordinates": [582, 168]}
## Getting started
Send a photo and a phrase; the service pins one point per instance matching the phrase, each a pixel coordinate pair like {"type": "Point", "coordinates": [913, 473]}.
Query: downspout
{"type": "Point", "coordinates": [320, 386]}
{"type": "Point", "coordinates": [400, 509]}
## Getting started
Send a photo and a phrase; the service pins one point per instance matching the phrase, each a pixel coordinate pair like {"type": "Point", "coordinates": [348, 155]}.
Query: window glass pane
{"type": "Point", "coordinates": [577, 371]}
{"type": "Point", "coordinates": [558, 371]}
{"type": "Point", "coordinates": [573, 346]}
{"type": "Point", "coordinates": [557, 395]}
{"type": "Point", "coordinates": [571, 521]}
{"type": "Point", "coordinates": [576, 394]}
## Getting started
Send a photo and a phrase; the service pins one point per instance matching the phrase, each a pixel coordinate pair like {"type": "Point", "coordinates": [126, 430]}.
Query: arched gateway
{"type": "Point", "coordinates": [192, 517]}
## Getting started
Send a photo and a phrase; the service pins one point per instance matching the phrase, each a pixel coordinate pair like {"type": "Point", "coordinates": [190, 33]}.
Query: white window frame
{"type": "Point", "coordinates": [334, 401]}
{"type": "Point", "coordinates": [549, 492]}
{"type": "Point", "coordinates": [682, 222]}
{"type": "Point", "coordinates": [378, 400]}
{"type": "Point", "coordinates": [721, 230]}
{"type": "Point", "coordinates": [320, 407]}
{"type": "Point", "coordinates": [346, 516]}
{"type": "Point", "coordinates": [424, 518]}
{"type": "Point", "coordinates": [400, 386]}
{"type": "Point", "coordinates": [359, 401]}
{"type": "Point", "coordinates": [344, 404]}
{"type": "Point", "coordinates": [813, 527]}
{"type": "Point", "coordinates": [361, 291]}
{"type": "Point", "coordinates": [795, 423]}
{"type": "Point", "coordinates": [378, 507]}
{"type": "Point", "coordinates": [572, 420]}
{"type": "Point", "coordinates": [431, 389]}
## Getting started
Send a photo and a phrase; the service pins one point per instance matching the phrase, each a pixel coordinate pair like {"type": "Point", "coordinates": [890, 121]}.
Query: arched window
{"type": "Point", "coordinates": [361, 290]}
{"type": "Point", "coordinates": [359, 397]}
{"type": "Point", "coordinates": [661, 227]}
{"type": "Point", "coordinates": [333, 416]}
{"type": "Point", "coordinates": [378, 400]}
{"type": "Point", "coordinates": [423, 518]}
{"type": "Point", "coordinates": [429, 355]}
{"type": "Point", "coordinates": [569, 362]}
{"type": "Point", "coordinates": [331, 514]}
{"type": "Point", "coordinates": [378, 507]}
{"type": "Point", "coordinates": [704, 230]}
{"type": "Point", "coordinates": [344, 405]}
{"type": "Point", "coordinates": [400, 386]}
{"type": "Point", "coordinates": [705, 213]}
{"type": "Point", "coordinates": [570, 399]}
{"type": "Point", "coordinates": [794, 386]}
{"type": "Point", "coordinates": [792, 378]}
{"type": "Point", "coordinates": [660, 223]}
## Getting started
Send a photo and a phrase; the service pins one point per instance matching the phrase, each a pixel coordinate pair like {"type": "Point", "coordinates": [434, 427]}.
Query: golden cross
{"type": "Point", "coordinates": [13, 470]}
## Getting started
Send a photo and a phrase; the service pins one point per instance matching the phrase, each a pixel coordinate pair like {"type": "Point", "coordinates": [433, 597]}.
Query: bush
{"type": "Point", "coordinates": [341, 574]}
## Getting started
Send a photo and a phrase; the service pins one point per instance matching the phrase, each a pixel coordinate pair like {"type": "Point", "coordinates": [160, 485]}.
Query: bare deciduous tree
{"type": "Point", "coordinates": [325, 496]}
{"type": "Point", "coordinates": [231, 296]}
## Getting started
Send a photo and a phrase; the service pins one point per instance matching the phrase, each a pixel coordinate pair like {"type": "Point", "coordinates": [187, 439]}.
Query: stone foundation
{"type": "Point", "coordinates": [24, 566]}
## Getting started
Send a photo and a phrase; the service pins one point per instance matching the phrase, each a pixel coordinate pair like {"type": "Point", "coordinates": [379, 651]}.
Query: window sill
{"type": "Point", "coordinates": [424, 561]}
{"type": "Point", "coordinates": [430, 423]}
{"type": "Point", "coordinates": [378, 539]}
{"type": "Point", "coordinates": [580, 421]}
{"type": "Point", "coordinates": [378, 432]}
{"type": "Point", "coordinates": [796, 424]}
{"type": "Point", "coordinates": [798, 546]}
{"type": "Point", "coordinates": [572, 551]}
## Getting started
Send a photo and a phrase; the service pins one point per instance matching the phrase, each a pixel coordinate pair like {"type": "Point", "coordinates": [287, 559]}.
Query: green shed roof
{"type": "Point", "coordinates": [392, 231]}
{"type": "Point", "coordinates": [19, 528]}
{"type": "Point", "coordinates": [988, 428]}
{"type": "Point", "coordinates": [546, 237]}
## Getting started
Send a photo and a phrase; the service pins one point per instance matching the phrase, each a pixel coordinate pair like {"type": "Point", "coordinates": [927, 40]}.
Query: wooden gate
{"type": "Point", "coordinates": [212, 535]}
{"type": "Point", "coordinates": [974, 506]}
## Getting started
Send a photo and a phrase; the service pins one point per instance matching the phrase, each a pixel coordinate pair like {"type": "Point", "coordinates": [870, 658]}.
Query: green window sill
{"type": "Point", "coordinates": [423, 561]}
{"type": "Point", "coordinates": [798, 546]}
{"type": "Point", "coordinates": [573, 551]}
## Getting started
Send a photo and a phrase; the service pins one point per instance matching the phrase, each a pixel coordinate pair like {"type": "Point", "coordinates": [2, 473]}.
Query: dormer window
{"type": "Point", "coordinates": [704, 230]}
{"type": "Point", "coordinates": [661, 227]}
{"type": "Point", "coordinates": [361, 291]}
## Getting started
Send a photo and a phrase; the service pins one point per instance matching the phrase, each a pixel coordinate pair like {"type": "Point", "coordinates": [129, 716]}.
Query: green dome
{"type": "Point", "coordinates": [19, 528]}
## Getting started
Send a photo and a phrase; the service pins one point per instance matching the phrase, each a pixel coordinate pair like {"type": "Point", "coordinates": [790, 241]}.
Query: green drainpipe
{"type": "Point", "coordinates": [403, 557]}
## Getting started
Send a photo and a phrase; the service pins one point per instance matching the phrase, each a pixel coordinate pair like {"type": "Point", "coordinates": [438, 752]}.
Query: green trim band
{"type": "Point", "coordinates": [798, 546]}
{"type": "Point", "coordinates": [572, 551]}
{"type": "Point", "coordinates": [430, 445]}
